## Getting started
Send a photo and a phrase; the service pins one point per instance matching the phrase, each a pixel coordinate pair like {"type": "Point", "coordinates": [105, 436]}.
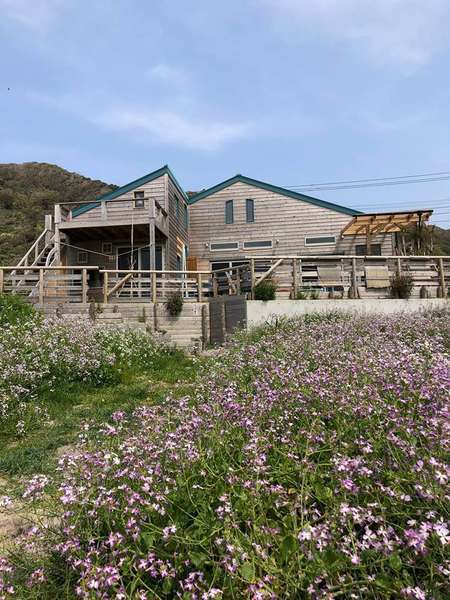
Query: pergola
{"type": "Point", "coordinates": [371, 224]}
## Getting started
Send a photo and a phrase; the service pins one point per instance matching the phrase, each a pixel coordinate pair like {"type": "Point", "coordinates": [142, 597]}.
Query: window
{"type": "Point", "coordinates": [107, 248]}
{"type": "Point", "coordinates": [253, 244]}
{"type": "Point", "coordinates": [319, 240]}
{"type": "Point", "coordinates": [82, 258]}
{"type": "Point", "coordinates": [186, 216]}
{"type": "Point", "coordinates": [361, 249]}
{"type": "Point", "coordinates": [216, 246]}
{"type": "Point", "coordinates": [226, 264]}
{"type": "Point", "coordinates": [139, 200]}
{"type": "Point", "coordinates": [229, 213]}
{"type": "Point", "coordinates": [250, 210]}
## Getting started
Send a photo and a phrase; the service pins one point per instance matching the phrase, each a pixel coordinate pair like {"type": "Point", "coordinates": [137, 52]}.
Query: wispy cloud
{"type": "Point", "coordinates": [403, 33]}
{"type": "Point", "coordinates": [37, 15]}
{"type": "Point", "coordinates": [146, 125]}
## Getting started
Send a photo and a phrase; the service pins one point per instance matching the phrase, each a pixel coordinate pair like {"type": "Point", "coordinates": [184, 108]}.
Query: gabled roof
{"type": "Point", "coordinates": [277, 190]}
{"type": "Point", "coordinates": [128, 187]}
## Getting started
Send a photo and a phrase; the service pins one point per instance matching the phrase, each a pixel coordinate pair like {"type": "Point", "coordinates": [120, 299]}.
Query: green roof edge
{"type": "Point", "coordinates": [276, 189]}
{"type": "Point", "coordinates": [130, 186]}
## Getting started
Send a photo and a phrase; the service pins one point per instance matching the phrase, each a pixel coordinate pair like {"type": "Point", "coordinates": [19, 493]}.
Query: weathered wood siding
{"type": "Point", "coordinates": [121, 209]}
{"type": "Point", "coordinates": [177, 227]}
{"type": "Point", "coordinates": [286, 221]}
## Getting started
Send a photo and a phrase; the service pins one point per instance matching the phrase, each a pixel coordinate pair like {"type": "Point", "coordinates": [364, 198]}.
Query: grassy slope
{"type": "Point", "coordinates": [28, 191]}
{"type": "Point", "coordinates": [69, 408]}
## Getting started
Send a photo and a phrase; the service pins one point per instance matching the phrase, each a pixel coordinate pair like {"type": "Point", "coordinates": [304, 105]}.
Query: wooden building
{"type": "Point", "coordinates": [141, 225]}
{"type": "Point", "coordinates": [243, 217]}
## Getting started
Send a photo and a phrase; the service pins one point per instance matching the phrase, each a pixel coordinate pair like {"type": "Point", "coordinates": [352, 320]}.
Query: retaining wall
{"type": "Point", "coordinates": [259, 312]}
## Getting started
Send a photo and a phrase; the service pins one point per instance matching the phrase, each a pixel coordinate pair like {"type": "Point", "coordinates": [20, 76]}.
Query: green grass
{"type": "Point", "coordinates": [69, 407]}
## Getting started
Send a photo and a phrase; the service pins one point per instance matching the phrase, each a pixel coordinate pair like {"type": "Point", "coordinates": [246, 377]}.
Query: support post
{"type": "Point", "coordinates": [151, 233]}
{"type": "Point", "coordinates": [252, 278]}
{"type": "Point", "coordinates": [399, 266]}
{"type": "Point", "coordinates": [368, 241]}
{"type": "Point", "coordinates": [294, 279]}
{"type": "Point", "coordinates": [354, 279]}
{"type": "Point", "coordinates": [105, 288]}
{"type": "Point", "coordinates": [443, 291]}
{"type": "Point", "coordinates": [238, 281]}
{"type": "Point", "coordinates": [199, 287]}
{"type": "Point", "coordinates": [84, 286]}
{"type": "Point", "coordinates": [2, 280]}
{"type": "Point", "coordinates": [41, 287]}
{"type": "Point", "coordinates": [57, 236]}
{"type": "Point", "coordinates": [204, 325]}
{"type": "Point", "coordinates": [215, 285]}
{"type": "Point", "coordinates": [154, 288]}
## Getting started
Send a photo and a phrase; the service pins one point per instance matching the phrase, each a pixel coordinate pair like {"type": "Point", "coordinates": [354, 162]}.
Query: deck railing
{"type": "Point", "coordinates": [47, 284]}
{"type": "Point", "coordinates": [350, 275]}
{"type": "Point", "coordinates": [293, 276]}
{"type": "Point", "coordinates": [154, 286]}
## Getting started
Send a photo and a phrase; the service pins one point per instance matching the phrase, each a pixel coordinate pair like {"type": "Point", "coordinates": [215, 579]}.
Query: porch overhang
{"type": "Point", "coordinates": [109, 233]}
{"type": "Point", "coordinates": [372, 224]}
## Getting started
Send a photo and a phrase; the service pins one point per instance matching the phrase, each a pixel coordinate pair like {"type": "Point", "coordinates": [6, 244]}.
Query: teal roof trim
{"type": "Point", "coordinates": [128, 187]}
{"type": "Point", "coordinates": [276, 189]}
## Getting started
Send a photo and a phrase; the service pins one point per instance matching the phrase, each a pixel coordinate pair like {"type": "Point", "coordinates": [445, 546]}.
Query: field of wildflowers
{"type": "Point", "coordinates": [309, 462]}
{"type": "Point", "coordinates": [39, 355]}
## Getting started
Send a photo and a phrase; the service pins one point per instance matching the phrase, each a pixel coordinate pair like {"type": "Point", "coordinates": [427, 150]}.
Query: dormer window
{"type": "Point", "coordinates": [139, 200]}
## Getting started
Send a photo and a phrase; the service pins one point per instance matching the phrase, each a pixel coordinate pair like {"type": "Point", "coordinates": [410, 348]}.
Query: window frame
{"type": "Point", "coordinates": [186, 216]}
{"type": "Point", "coordinates": [107, 248]}
{"type": "Point", "coordinates": [229, 203]}
{"type": "Point", "coordinates": [81, 261]}
{"type": "Point", "coordinates": [263, 247]}
{"type": "Point", "coordinates": [139, 200]}
{"type": "Point", "coordinates": [249, 202]}
{"type": "Point", "coordinates": [233, 249]}
{"type": "Point", "coordinates": [316, 237]}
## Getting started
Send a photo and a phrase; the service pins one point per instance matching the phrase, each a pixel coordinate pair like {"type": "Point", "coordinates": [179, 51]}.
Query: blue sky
{"type": "Point", "coordinates": [287, 91]}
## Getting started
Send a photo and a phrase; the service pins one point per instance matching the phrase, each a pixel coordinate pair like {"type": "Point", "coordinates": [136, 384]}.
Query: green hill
{"type": "Point", "coordinates": [28, 191]}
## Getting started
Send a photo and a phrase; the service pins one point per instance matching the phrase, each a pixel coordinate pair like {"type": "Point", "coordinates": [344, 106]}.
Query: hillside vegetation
{"type": "Point", "coordinates": [28, 191]}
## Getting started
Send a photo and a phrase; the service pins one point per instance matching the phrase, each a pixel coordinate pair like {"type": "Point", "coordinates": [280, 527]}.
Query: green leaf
{"type": "Point", "coordinates": [198, 559]}
{"type": "Point", "coordinates": [395, 562]}
{"type": "Point", "coordinates": [288, 547]}
{"type": "Point", "coordinates": [247, 571]}
{"type": "Point", "coordinates": [149, 539]}
{"type": "Point", "coordinates": [167, 585]}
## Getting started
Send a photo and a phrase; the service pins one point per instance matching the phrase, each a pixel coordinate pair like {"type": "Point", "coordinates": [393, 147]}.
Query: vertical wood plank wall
{"type": "Point", "coordinates": [277, 217]}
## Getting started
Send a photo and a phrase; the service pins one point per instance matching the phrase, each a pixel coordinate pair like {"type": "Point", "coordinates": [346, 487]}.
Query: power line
{"type": "Point", "coordinates": [373, 179]}
{"type": "Point", "coordinates": [367, 185]}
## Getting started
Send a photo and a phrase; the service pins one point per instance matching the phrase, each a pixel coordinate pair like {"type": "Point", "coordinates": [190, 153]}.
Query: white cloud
{"type": "Point", "coordinates": [168, 74]}
{"type": "Point", "coordinates": [172, 128]}
{"type": "Point", "coordinates": [403, 33]}
{"type": "Point", "coordinates": [36, 15]}
{"type": "Point", "coordinates": [148, 125]}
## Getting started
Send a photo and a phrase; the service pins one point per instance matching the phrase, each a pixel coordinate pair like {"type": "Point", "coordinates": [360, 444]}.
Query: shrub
{"type": "Point", "coordinates": [265, 291]}
{"type": "Point", "coordinates": [174, 304]}
{"type": "Point", "coordinates": [314, 294]}
{"type": "Point", "coordinates": [302, 296]}
{"type": "Point", "coordinates": [402, 285]}
{"type": "Point", "coordinates": [14, 309]}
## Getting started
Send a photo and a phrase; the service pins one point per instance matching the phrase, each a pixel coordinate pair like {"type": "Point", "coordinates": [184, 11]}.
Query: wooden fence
{"type": "Point", "coordinates": [293, 276]}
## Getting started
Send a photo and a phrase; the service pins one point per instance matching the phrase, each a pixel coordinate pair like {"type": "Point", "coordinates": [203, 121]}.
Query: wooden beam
{"type": "Point", "coordinates": [119, 284]}
{"type": "Point", "coordinates": [269, 272]}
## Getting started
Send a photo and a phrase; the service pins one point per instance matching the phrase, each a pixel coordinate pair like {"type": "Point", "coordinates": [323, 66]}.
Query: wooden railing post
{"type": "Point", "coordinates": [399, 266]}
{"type": "Point", "coordinates": [294, 279]}
{"type": "Point", "coordinates": [41, 287]}
{"type": "Point", "coordinates": [199, 287]}
{"type": "Point", "coordinates": [354, 279]}
{"type": "Point", "coordinates": [105, 288]}
{"type": "Point", "coordinates": [442, 292]}
{"type": "Point", "coordinates": [215, 285]}
{"type": "Point", "coordinates": [84, 286]}
{"type": "Point", "coordinates": [2, 280]}
{"type": "Point", "coordinates": [154, 288]}
{"type": "Point", "coordinates": [238, 281]}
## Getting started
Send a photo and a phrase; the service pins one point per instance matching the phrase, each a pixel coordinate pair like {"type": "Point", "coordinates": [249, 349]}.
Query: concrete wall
{"type": "Point", "coordinates": [259, 312]}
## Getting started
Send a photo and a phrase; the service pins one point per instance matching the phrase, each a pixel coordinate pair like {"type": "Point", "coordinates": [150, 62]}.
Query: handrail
{"type": "Point", "coordinates": [60, 268]}
{"type": "Point", "coordinates": [147, 271]}
{"type": "Point", "coordinates": [32, 247]}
